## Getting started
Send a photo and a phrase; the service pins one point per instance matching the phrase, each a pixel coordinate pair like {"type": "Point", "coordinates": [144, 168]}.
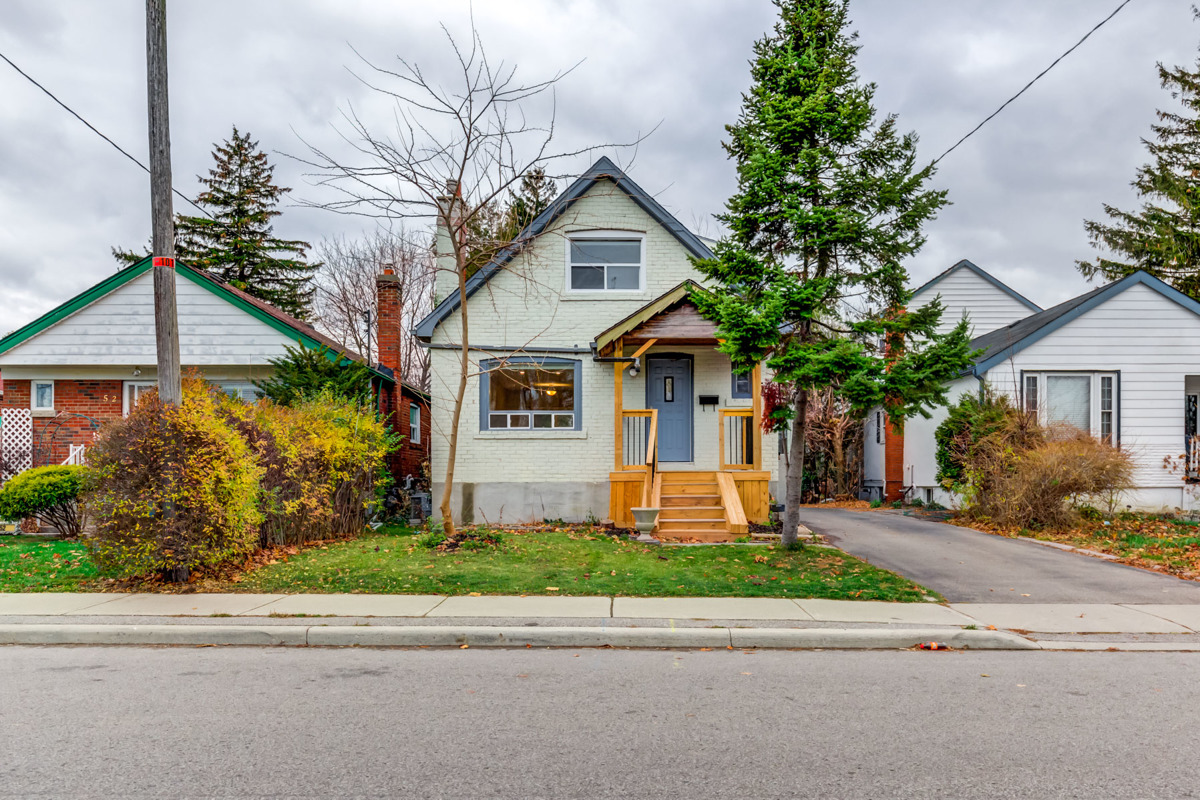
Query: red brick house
{"type": "Point", "coordinates": [87, 362]}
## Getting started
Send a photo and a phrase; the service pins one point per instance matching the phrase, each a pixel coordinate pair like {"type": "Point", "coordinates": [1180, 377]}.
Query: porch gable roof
{"type": "Point", "coordinates": [688, 328]}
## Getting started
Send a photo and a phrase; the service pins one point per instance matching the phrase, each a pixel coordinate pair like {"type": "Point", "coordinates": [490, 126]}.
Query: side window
{"type": "Point", "coordinates": [134, 392]}
{"type": "Point", "coordinates": [41, 396]}
{"type": "Point", "coordinates": [414, 423]}
{"type": "Point", "coordinates": [741, 385]}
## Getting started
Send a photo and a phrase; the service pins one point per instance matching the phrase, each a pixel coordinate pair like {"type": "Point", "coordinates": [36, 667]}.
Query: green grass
{"type": "Point", "coordinates": [578, 563]}
{"type": "Point", "coordinates": [1144, 540]}
{"type": "Point", "coordinates": [38, 564]}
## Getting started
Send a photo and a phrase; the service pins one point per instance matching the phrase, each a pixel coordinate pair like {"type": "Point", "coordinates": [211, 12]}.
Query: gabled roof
{"type": "Point", "coordinates": [646, 312]}
{"type": "Point", "coordinates": [289, 326]}
{"type": "Point", "coordinates": [1000, 345]}
{"type": "Point", "coordinates": [987, 276]}
{"type": "Point", "coordinates": [604, 169]}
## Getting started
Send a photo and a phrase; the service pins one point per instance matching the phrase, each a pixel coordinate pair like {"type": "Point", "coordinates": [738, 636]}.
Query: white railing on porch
{"type": "Point", "coordinates": [1192, 456]}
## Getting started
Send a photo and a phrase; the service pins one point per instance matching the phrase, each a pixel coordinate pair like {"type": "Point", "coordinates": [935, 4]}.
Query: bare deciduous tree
{"type": "Point", "coordinates": [452, 154]}
{"type": "Point", "coordinates": [345, 294]}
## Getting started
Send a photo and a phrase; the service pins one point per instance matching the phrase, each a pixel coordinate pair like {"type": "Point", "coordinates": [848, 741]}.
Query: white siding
{"type": "Point", "coordinates": [1155, 346]}
{"type": "Point", "coordinates": [920, 449]}
{"type": "Point", "coordinates": [526, 306]}
{"type": "Point", "coordinates": [118, 329]}
{"type": "Point", "coordinates": [963, 291]}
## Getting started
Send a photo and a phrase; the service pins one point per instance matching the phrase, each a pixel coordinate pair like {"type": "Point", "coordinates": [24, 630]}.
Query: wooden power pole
{"type": "Point", "coordinates": [166, 322]}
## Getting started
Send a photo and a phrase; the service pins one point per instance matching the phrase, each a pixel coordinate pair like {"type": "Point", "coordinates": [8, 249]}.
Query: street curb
{"type": "Point", "coordinates": [488, 636]}
{"type": "Point", "coordinates": [154, 634]}
{"type": "Point", "coordinates": [866, 639]}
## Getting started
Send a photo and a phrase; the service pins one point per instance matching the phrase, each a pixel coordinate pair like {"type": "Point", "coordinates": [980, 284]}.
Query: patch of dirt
{"type": "Point", "coordinates": [852, 505]}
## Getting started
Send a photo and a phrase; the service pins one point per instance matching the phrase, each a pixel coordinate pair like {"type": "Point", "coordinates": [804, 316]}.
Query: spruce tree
{"type": "Point", "coordinates": [828, 205]}
{"type": "Point", "coordinates": [1163, 237]}
{"type": "Point", "coordinates": [238, 244]}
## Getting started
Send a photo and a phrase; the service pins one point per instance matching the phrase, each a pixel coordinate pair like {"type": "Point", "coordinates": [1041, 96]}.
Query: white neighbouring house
{"type": "Point", "coordinates": [1121, 362]}
{"type": "Point", "coordinates": [594, 385]}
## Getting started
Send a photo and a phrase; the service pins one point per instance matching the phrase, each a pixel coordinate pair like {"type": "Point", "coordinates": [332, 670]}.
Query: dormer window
{"type": "Point", "coordinates": [608, 262]}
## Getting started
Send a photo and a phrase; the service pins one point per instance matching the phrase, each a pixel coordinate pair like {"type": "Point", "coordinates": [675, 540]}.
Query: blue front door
{"type": "Point", "coordinates": [669, 389]}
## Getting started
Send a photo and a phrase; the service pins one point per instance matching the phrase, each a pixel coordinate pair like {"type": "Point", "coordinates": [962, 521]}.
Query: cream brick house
{"type": "Point", "coordinates": [595, 386]}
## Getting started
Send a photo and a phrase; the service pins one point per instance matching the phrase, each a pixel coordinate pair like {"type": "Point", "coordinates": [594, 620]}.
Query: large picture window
{"type": "Point", "coordinates": [1087, 401]}
{"type": "Point", "coordinates": [530, 395]}
{"type": "Point", "coordinates": [599, 264]}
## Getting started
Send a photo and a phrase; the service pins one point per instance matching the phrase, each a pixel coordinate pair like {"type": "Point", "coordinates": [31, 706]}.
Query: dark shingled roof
{"type": "Point", "coordinates": [1002, 344]}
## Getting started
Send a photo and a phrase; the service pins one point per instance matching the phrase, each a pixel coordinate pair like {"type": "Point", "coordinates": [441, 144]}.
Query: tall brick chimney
{"type": "Point", "coordinates": [389, 331]}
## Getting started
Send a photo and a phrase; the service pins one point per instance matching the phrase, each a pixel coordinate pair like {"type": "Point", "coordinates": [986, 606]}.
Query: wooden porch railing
{"type": "Point", "coordinates": [736, 438]}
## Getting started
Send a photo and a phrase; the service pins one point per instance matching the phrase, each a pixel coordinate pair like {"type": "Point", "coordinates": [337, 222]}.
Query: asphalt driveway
{"type": "Point", "coordinates": [967, 566]}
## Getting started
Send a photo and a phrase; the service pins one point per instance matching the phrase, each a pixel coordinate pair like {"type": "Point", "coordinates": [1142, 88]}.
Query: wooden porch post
{"type": "Point", "coordinates": [618, 406]}
{"type": "Point", "coordinates": [756, 419]}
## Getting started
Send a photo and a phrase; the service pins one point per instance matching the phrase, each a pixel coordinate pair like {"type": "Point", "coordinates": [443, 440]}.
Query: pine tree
{"type": "Point", "coordinates": [303, 373]}
{"type": "Point", "coordinates": [829, 203]}
{"type": "Point", "coordinates": [238, 244]}
{"type": "Point", "coordinates": [1163, 237]}
{"type": "Point", "coordinates": [496, 225]}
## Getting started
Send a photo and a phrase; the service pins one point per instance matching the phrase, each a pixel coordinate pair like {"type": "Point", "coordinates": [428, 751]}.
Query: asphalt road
{"type": "Point", "coordinates": [237, 722]}
{"type": "Point", "coordinates": [967, 566]}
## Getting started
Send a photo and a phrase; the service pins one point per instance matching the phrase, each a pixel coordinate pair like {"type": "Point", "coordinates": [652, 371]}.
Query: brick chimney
{"type": "Point", "coordinates": [390, 325]}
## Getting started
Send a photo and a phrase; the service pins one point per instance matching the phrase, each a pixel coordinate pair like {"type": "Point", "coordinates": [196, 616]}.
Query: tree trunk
{"type": "Point", "coordinates": [838, 447]}
{"type": "Point", "coordinates": [795, 474]}
{"type": "Point", "coordinates": [464, 366]}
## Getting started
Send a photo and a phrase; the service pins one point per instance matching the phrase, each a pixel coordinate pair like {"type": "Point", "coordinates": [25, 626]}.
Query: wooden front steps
{"type": "Point", "coordinates": [698, 506]}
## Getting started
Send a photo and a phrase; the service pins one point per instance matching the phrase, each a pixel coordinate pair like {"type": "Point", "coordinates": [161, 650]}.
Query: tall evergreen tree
{"type": "Point", "coordinates": [238, 244]}
{"type": "Point", "coordinates": [1163, 237]}
{"type": "Point", "coordinates": [497, 224]}
{"type": "Point", "coordinates": [829, 203]}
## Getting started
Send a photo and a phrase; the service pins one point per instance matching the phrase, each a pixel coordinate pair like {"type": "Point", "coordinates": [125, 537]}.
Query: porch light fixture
{"type": "Point", "coordinates": [633, 371]}
{"type": "Point", "coordinates": [137, 371]}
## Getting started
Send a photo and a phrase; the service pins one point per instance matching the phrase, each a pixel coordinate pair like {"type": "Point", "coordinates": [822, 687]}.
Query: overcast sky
{"type": "Point", "coordinates": [1021, 187]}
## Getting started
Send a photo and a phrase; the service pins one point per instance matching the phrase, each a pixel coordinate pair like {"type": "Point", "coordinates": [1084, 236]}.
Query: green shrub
{"type": "Point", "coordinates": [304, 374]}
{"type": "Point", "coordinates": [897, 504]}
{"type": "Point", "coordinates": [51, 493]}
{"type": "Point", "coordinates": [917, 502]}
{"type": "Point", "coordinates": [876, 504]}
{"type": "Point", "coordinates": [972, 419]}
{"type": "Point", "coordinates": [175, 488]}
{"type": "Point", "coordinates": [323, 465]}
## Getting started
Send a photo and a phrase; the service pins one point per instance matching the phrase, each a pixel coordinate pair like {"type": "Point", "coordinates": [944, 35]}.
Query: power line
{"type": "Point", "coordinates": [1038, 77]}
{"type": "Point", "coordinates": [94, 130]}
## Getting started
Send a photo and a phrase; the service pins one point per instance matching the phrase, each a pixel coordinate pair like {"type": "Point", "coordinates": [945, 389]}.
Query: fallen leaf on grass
{"type": "Point", "coordinates": [475, 594]}
{"type": "Point", "coordinates": [551, 588]}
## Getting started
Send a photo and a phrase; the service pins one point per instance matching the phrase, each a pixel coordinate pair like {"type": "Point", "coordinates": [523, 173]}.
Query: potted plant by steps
{"type": "Point", "coordinates": [645, 519]}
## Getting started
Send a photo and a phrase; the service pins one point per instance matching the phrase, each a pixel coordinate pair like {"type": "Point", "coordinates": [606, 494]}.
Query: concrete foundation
{"type": "Point", "coordinates": [512, 503]}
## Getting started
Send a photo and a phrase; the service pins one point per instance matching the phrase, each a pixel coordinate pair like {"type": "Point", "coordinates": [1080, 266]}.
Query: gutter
{"type": "Point", "coordinates": [635, 360]}
{"type": "Point", "coordinates": [490, 349]}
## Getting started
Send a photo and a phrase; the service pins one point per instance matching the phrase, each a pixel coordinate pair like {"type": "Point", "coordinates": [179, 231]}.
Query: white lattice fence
{"type": "Point", "coordinates": [16, 440]}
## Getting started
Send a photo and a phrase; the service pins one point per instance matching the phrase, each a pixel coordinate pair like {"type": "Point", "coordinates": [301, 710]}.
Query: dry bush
{"type": "Point", "coordinates": [1026, 476]}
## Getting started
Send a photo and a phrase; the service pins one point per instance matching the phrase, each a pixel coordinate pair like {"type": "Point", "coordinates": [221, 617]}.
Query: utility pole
{"type": "Point", "coordinates": [166, 322]}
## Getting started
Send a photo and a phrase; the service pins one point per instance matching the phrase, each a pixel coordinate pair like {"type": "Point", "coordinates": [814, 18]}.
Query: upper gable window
{"type": "Point", "coordinates": [605, 263]}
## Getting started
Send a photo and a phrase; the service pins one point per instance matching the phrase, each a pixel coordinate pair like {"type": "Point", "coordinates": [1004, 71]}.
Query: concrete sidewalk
{"type": "Point", "coordinates": [584, 621]}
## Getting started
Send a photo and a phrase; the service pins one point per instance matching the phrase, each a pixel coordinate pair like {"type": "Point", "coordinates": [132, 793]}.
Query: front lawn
{"type": "Point", "coordinates": [546, 562]}
{"type": "Point", "coordinates": [39, 564]}
{"type": "Point", "coordinates": [579, 562]}
{"type": "Point", "coordinates": [1142, 540]}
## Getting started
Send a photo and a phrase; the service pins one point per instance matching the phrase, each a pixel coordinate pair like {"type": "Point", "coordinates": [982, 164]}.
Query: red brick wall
{"type": "Point", "coordinates": [412, 459]}
{"type": "Point", "coordinates": [893, 463]}
{"type": "Point", "coordinates": [54, 435]}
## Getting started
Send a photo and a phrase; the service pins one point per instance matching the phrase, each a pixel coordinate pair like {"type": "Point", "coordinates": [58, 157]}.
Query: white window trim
{"type": "Point", "coordinates": [610, 234]}
{"type": "Point", "coordinates": [1094, 412]}
{"type": "Point", "coordinates": [125, 409]}
{"type": "Point", "coordinates": [414, 432]}
{"type": "Point", "coordinates": [33, 396]}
